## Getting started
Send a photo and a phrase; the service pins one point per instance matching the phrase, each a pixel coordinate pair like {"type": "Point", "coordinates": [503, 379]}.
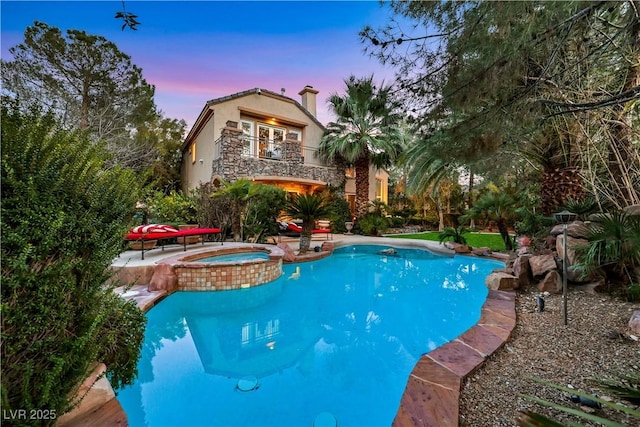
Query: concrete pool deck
{"type": "Point", "coordinates": [431, 396]}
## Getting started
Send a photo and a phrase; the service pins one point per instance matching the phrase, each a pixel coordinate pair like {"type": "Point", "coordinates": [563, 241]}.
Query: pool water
{"type": "Point", "coordinates": [240, 256]}
{"type": "Point", "coordinates": [334, 338]}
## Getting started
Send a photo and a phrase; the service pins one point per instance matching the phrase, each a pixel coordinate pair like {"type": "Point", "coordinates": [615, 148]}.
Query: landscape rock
{"type": "Point", "coordinates": [572, 244]}
{"type": "Point", "coordinates": [483, 251]}
{"type": "Point", "coordinates": [462, 249]}
{"type": "Point", "coordinates": [164, 278]}
{"type": "Point", "coordinates": [550, 242]}
{"type": "Point", "coordinates": [575, 229]}
{"type": "Point", "coordinates": [289, 255]}
{"type": "Point", "coordinates": [634, 322]}
{"type": "Point", "coordinates": [501, 281]}
{"type": "Point", "coordinates": [522, 270]}
{"type": "Point", "coordinates": [542, 264]}
{"type": "Point", "coordinates": [552, 282]}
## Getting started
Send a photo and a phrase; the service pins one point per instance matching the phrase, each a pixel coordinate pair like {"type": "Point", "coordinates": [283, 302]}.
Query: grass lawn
{"type": "Point", "coordinates": [477, 240]}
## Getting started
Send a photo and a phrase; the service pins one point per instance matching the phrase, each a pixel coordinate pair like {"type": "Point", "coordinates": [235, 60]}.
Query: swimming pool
{"type": "Point", "coordinates": [240, 256]}
{"type": "Point", "coordinates": [339, 335]}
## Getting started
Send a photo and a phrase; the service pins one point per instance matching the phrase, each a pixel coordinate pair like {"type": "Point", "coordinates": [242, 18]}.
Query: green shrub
{"type": "Point", "coordinates": [532, 224]}
{"type": "Point", "coordinates": [62, 219]}
{"type": "Point", "coordinates": [397, 222]}
{"type": "Point", "coordinates": [613, 247]}
{"type": "Point", "coordinates": [373, 224]}
{"type": "Point", "coordinates": [633, 292]}
{"type": "Point", "coordinates": [175, 208]}
{"type": "Point", "coordinates": [340, 211]}
{"type": "Point", "coordinates": [264, 207]}
{"type": "Point", "coordinates": [583, 207]}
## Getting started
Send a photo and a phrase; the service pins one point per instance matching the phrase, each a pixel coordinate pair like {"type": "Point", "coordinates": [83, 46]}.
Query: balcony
{"type": "Point", "coordinates": [291, 151]}
{"type": "Point", "coordinates": [237, 155]}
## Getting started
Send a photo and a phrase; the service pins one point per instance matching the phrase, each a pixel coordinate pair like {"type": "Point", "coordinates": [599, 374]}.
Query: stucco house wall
{"type": "Point", "coordinates": [217, 147]}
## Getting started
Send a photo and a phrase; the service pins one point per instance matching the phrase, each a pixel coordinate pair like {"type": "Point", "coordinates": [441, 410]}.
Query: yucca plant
{"type": "Point", "coordinates": [455, 234]}
{"type": "Point", "coordinates": [624, 386]}
{"type": "Point", "coordinates": [308, 208]}
{"type": "Point", "coordinates": [614, 247]}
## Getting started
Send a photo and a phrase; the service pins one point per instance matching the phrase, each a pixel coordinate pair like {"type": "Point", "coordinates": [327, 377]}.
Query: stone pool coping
{"type": "Point", "coordinates": [431, 396]}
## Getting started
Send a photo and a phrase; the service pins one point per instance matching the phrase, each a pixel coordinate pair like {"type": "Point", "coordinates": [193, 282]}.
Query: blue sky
{"type": "Point", "coordinates": [196, 51]}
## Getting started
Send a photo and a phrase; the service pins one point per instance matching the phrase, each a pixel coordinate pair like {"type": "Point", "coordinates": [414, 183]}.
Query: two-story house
{"type": "Point", "coordinates": [269, 138]}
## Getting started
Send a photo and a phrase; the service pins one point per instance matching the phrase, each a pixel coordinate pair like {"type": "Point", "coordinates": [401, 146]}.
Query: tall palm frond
{"type": "Point", "coordinates": [308, 208]}
{"type": "Point", "coordinates": [365, 132]}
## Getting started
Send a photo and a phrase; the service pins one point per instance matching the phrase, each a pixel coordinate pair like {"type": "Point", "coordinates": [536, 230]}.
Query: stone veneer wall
{"type": "Point", "coordinates": [232, 165]}
{"type": "Point", "coordinates": [209, 277]}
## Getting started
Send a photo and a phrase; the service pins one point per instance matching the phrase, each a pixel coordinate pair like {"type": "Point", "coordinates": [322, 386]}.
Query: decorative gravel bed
{"type": "Point", "coordinates": [596, 343]}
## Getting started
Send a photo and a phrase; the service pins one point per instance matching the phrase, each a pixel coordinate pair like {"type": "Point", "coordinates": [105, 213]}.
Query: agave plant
{"type": "Point", "coordinates": [456, 234]}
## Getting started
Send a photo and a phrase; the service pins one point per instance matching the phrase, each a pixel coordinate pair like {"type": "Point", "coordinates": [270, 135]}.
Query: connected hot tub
{"type": "Point", "coordinates": [225, 268]}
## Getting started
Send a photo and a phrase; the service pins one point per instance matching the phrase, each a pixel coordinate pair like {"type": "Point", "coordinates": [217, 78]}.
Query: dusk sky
{"type": "Point", "coordinates": [196, 51]}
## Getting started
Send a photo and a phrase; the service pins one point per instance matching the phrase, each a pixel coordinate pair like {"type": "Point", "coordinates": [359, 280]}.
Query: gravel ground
{"type": "Point", "coordinates": [596, 342]}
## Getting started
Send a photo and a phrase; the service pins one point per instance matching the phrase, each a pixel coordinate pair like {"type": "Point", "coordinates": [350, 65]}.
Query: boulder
{"type": "Point", "coordinates": [164, 278]}
{"type": "Point", "coordinates": [501, 281]}
{"type": "Point", "coordinates": [462, 249]}
{"type": "Point", "coordinates": [522, 270]}
{"type": "Point", "coordinates": [572, 244]}
{"type": "Point", "coordinates": [578, 230]}
{"type": "Point", "coordinates": [542, 264]}
{"type": "Point", "coordinates": [575, 229]}
{"type": "Point", "coordinates": [551, 283]}
{"type": "Point", "coordinates": [634, 322]}
{"type": "Point", "coordinates": [483, 251]}
{"type": "Point", "coordinates": [593, 287]}
{"type": "Point", "coordinates": [508, 270]}
{"type": "Point", "coordinates": [289, 255]}
{"type": "Point", "coordinates": [328, 246]}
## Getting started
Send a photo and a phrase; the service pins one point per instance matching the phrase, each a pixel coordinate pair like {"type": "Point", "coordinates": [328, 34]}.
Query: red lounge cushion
{"type": "Point", "coordinates": [153, 228]}
{"type": "Point", "coordinates": [198, 231]}
{"type": "Point", "coordinates": [293, 227]}
{"type": "Point", "coordinates": [168, 234]}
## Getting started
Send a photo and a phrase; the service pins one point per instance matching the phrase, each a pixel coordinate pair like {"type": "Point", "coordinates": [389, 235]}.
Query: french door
{"type": "Point", "coordinates": [270, 140]}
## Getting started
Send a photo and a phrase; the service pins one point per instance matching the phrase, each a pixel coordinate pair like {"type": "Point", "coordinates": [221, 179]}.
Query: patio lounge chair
{"type": "Point", "coordinates": [293, 229]}
{"type": "Point", "coordinates": [161, 233]}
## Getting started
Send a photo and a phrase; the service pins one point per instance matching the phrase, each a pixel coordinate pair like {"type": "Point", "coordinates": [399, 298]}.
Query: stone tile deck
{"type": "Point", "coordinates": [431, 397]}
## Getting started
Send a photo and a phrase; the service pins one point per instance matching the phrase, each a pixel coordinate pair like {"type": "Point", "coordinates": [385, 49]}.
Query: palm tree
{"type": "Point", "coordinates": [498, 207]}
{"type": "Point", "coordinates": [455, 234]}
{"type": "Point", "coordinates": [364, 133]}
{"type": "Point", "coordinates": [308, 208]}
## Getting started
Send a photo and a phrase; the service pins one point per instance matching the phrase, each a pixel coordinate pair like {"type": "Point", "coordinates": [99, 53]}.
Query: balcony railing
{"type": "Point", "coordinates": [268, 149]}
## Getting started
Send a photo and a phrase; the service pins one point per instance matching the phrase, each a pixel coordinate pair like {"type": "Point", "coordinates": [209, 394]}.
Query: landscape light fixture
{"type": "Point", "coordinates": [565, 217]}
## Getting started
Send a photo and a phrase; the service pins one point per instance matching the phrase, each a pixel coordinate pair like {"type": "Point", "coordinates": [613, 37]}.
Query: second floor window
{"type": "Point", "coordinates": [248, 144]}
{"type": "Point", "coordinates": [270, 140]}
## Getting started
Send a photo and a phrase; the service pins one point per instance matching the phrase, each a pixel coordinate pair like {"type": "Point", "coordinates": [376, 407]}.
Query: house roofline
{"type": "Point", "coordinates": [266, 92]}
{"type": "Point", "coordinates": [207, 111]}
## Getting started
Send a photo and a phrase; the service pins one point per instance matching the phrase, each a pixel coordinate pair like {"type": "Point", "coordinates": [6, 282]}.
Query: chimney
{"type": "Point", "coordinates": [309, 99]}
